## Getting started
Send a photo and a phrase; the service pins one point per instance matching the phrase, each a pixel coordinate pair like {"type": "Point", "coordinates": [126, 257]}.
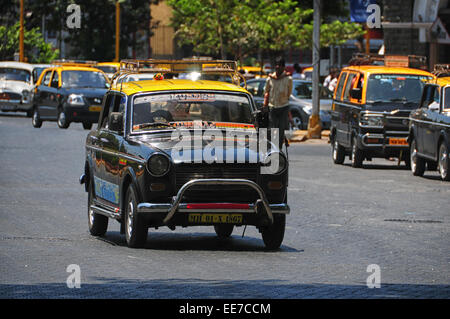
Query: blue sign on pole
{"type": "Point", "coordinates": [358, 10]}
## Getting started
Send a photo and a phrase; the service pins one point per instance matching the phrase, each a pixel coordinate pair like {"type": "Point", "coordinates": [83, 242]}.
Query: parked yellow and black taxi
{"type": "Point", "coordinates": [430, 127]}
{"type": "Point", "coordinates": [178, 152]}
{"type": "Point", "coordinates": [370, 112]}
{"type": "Point", "coordinates": [69, 92]}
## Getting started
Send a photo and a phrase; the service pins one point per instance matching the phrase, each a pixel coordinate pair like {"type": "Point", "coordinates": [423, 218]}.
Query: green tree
{"type": "Point", "coordinates": [240, 28]}
{"type": "Point", "coordinates": [36, 50]}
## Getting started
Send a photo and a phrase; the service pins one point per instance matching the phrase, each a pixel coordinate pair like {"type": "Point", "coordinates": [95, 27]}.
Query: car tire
{"type": "Point", "coordinates": [273, 235]}
{"type": "Point", "coordinates": [35, 119]}
{"type": "Point", "coordinates": [224, 230]}
{"type": "Point", "coordinates": [62, 119]}
{"type": "Point", "coordinates": [135, 231]}
{"type": "Point", "coordinates": [87, 125]}
{"type": "Point", "coordinates": [338, 152]}
{"type": "Point", "coordinates": [417, 163]}
{"type": "Point", "coordinates": [357, 154]}
{"type": "Point", "coordinates": [444, 162]}
{"type": "Point", "coordinates": [297, 122]}
{"type": "Point", "coordinates": [98, 224]}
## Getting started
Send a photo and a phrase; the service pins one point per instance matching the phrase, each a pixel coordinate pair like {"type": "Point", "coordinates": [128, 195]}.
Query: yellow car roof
{"type": "Point", "coordinates": [77, 68]}
{"type": "Point", "coordinates": [133, 87]}
{"type": "Point", "coordinates": [381, 69]}
{"type": "Point", "coordinates": [443, 81]}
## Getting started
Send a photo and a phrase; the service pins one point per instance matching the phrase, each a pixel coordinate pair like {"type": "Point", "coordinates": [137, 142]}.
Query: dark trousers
{"type": "Point", "coordinates": [279, 118]}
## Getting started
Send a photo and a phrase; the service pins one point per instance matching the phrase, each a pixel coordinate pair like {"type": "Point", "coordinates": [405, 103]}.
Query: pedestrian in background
{"type": "Point", "coordinates": [297, 72]}
{"type": "Point", "coordinates": [276, 98]}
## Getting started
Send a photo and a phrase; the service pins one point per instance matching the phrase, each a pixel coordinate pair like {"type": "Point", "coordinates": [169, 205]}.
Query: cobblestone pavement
{"type": "Point", "coordinates": [342, 220]}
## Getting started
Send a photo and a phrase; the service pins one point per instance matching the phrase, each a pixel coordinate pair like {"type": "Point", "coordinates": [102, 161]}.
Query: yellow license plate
{"type": "Point", "coordinates": [215, 218]}
{"type": "Point", "coordinates": [398, 141]}
{"type": "Point", "coordinates": [95, 108]}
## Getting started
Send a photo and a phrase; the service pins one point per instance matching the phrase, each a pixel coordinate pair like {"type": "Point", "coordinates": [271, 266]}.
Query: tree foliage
{"type": "Point", "coordinates": [242, 27]}
{"type": "Point", "coordinates": [36, 50]}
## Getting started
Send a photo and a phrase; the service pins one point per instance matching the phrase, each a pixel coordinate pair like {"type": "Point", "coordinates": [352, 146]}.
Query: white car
{"type": "Point", "coordinates": [16, 87]}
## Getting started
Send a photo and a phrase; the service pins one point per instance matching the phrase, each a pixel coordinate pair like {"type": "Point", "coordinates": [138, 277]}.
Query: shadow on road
{"type": "Point", "coordinates": [196, 241]}
{"type": "Point", "coordinates": [115, 288]}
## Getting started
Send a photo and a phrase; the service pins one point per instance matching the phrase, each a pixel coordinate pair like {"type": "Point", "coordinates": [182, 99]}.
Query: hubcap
{"type": "Point", "coordinates": [443, 161]}
{"type": "Point", "coordinates": [130, 218]}
{"type": "Point", "coordinates": [413, 157]}
{"type": "Point", "coordinates": [297, 122]}
{"type": "Point", "coordinates": [62, 118]}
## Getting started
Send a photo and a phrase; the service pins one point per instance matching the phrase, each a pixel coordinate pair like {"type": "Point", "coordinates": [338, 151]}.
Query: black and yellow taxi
{"type": "Point", "coordinates": [371, 108]}
{"type": "Point", "coordinates": [429, 135]}
{"type": "Point", "coordinates": [183, 152]}
{"type": "Point", "coordinates": [69, 92]}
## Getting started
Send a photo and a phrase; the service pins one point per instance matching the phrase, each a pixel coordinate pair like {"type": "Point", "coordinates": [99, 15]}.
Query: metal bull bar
{"type": "Point", "coordinates": [177, 205]}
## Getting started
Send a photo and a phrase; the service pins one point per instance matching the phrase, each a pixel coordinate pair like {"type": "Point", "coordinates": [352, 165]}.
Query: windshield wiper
{"type": "Point", "coordinates": [152, 124]}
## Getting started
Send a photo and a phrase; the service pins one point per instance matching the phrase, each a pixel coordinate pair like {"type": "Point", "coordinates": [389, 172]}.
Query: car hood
{"type": "Point", "coordinates": [87, 92]}
{"type": "Point", "coordinates": [389, 107]}
{"type": "Point", "coordinates": [187, 148]}
{"type": "Point", "coordinates": [15, 86]}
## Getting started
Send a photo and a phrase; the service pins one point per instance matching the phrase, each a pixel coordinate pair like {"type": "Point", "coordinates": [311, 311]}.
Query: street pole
{"type": "Point", "coordinates": [117, 30]}
{"type": "Point", "coordinates": [314, 126]}
{"type": "Point", "coordinates": [21, 55]}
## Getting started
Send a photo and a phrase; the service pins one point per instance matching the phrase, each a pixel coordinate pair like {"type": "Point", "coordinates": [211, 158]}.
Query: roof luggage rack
{"type": "Point", "coordinates": [441, 70]}
{"type": "Point", "coordinates": [406, 61]}
{"type": "Point", "coordinates": [65, 62]}
{"type": "Point", "coordinates": [203, 66]}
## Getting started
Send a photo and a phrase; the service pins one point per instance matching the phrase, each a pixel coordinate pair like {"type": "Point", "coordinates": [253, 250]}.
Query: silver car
{"type": "Point", "coordinates": [16, 87]}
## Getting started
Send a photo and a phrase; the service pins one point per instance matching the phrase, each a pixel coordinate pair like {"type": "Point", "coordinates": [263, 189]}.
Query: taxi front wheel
{"type": "Point", "coordinates": [444, 162]}
{"type": "Point", "coordinates": [135, 231]}
{"type": "Point", "coordinates": [417, 163]}
{"type": "Point", "coordinates": [62, 119]}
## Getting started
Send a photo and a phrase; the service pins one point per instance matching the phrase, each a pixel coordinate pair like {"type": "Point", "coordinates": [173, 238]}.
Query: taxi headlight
{"type": "Point", "coordinates": [274, 163]}
{"type": "Point", "coordinates": [158, 165]}
{"type": "Point", "coordinates": [75, 99]}
{"type": "Point", "coordinates": [25, 95]}
{"type": "Point", "coordinates": [371, 120]}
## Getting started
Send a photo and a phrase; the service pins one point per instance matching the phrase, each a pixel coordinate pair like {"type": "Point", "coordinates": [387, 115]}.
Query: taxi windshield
{"type": "Point", "coordinates": [82, 79]}
{"type": "Point", "coordinates": [395, 88]}
{"type": "Point", "coordinates": [11, 74]}
{"type": "Point", "coordinates": [446, 102]}
{"type": "Point", "coordinates": [171, 110]}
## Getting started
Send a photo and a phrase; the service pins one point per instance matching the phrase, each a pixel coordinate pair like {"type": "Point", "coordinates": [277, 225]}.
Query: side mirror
{"type": "Point", "coordinates": [356, 94]}
{"type": "Point", "coordinates": [115, 121]}
{"type": "Point", "coordinates": [434, 107]}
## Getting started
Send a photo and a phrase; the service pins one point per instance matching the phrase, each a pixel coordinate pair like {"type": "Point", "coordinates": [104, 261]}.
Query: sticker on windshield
{"type": "Point", "coordinates": [191, 97]}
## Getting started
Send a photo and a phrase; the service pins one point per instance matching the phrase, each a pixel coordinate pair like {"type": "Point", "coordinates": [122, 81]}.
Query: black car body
{"type": "Point", "coordinates": [300, 102]}
{"type": "Point", "coordinates": [371, 109]}
{"type": "Point", "coordinates": [135, 172]}
{"type": "Point", "coordinates": [69, 94]}
{"type": "Point", "coordinates": [430, 132]}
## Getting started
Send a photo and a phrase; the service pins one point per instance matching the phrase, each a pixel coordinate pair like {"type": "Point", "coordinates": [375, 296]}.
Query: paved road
{"type": "Point", "coordinates": [342, 221]}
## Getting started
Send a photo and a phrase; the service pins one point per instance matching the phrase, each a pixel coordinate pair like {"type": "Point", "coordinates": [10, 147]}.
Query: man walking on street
{"type": "Point", "coordinates": [276, 98]}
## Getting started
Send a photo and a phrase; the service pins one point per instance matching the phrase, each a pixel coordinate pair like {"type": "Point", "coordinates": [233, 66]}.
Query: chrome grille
{"type": "Point", "coordinates": [186, 172]}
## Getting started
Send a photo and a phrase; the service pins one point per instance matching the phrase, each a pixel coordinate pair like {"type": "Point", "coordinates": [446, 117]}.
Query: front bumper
{"type": "Point", "coordinates": [398, 140]}
{"type": "Point", "coordinates": [81, 114]}
{"type": "Point", "coordinates": [15, 105]}
{"type": "Point", "coordinates": [260, 210]}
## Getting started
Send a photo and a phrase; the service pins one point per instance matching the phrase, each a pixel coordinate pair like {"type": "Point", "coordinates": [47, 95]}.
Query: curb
{"type": "Point", "coordinates": [300, 136]}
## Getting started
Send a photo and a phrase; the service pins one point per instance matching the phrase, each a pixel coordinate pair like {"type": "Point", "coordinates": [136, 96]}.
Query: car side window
{"type": "Point", "coordinates": [114, 103]}
{"type": "Point", "coordinates": [255, 88]}
{"type": "Point", "coordinates": [349, 84]}
{"type": "Point", "coordinates": [47, 76]}
{"type": "Point", "coordinates": [55, 80]}
{"type": "Point", "coordinates": [340, 85]}
{"type": "Point", "coordinates": [446, 100]}
{"type": "Point", "coordinates": [109, 101]}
